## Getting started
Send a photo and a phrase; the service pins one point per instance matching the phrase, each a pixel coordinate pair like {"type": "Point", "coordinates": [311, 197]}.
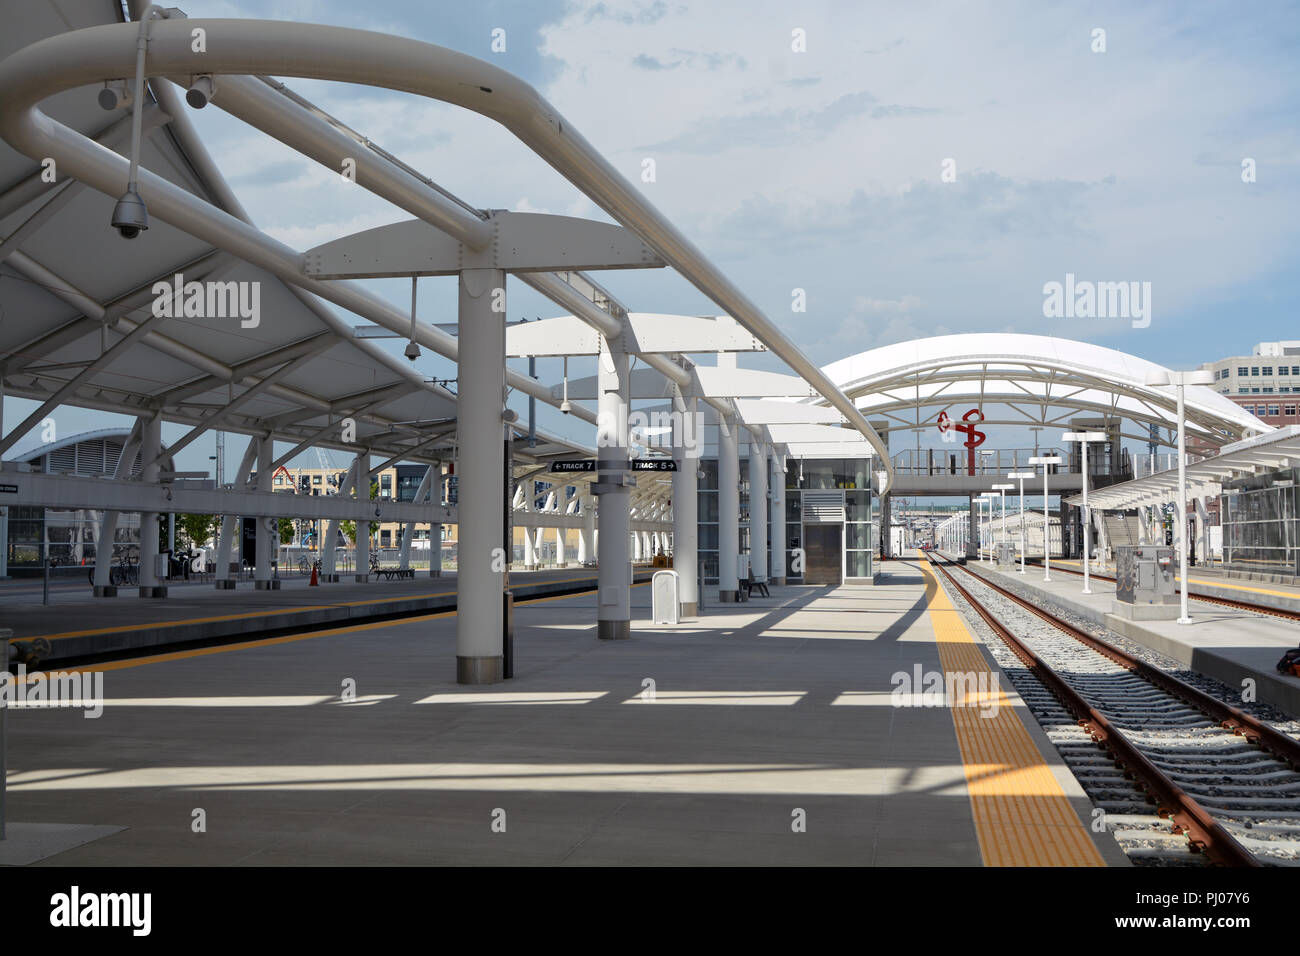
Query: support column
{"type": "Point", "coordinates": [108, 522]}
{"type": "Point", "coordinates": [329, 531]}
{"type": "Point", "coordinates": [561, 560]}
{"type": "Point", "coordinates": [886, 515]}
{"type": "Point", "coordinates": [587, 539]}
{"type": "Point", "coordinates": [265, 548]}
{"type": "Point", "coordinates": [758, 509]}
{"type": "Point", "coordinates": [777, 531]}
{"type": "Point", "coordinates": [362, 494]}
{"type": "Point", "coordinates": [481, 375]}
{"type": "Point", "coordinates": [728, 510]}
{"type": "Point", "coordinates": [973, 530]}
{"type": "Point", "coordinates": [530, 557]}
{"type": "Point", "coordinates": [614, 612]}
{"type": "Point", "coordinates": [151, 445]}
{"type": "Point", "coordinates": [408, 529]}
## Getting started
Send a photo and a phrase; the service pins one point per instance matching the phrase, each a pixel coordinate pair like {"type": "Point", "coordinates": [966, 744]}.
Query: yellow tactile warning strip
{"type": "Point", "coordinates": [270, 612]}
{"type": "Point", "coordinates": [1022, 816]}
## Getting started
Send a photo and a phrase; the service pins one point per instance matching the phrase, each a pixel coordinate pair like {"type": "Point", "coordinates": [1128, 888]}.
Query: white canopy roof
{"type": "Point", "coordinates": [1034, 376]}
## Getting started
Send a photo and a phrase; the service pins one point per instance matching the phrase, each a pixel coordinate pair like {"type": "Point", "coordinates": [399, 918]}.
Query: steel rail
{"type": "Point", "coordinates": [1283, 746]}
{"type": "Point", "coordinates": [1189, 817]}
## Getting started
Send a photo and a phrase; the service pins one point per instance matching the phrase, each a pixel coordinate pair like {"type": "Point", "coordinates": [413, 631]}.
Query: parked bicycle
{"type": "Point", "coordinates": [124, 571]}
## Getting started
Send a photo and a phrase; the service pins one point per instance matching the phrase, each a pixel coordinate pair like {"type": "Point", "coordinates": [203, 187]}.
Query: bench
{"type": "Point", "coordinates": [749, 584]}
{"type": "Point", "coordinates": [390, 573]}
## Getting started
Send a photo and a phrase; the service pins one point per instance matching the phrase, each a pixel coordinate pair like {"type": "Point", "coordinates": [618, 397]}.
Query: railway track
{"type": "Point", "coordinates": [1236, 605]}
{"type": "Point", "coordinates": [1226, 781]}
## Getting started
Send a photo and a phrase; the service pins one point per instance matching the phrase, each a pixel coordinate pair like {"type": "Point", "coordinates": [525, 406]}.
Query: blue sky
{"type": "Point", "coordinates": [821, 169]}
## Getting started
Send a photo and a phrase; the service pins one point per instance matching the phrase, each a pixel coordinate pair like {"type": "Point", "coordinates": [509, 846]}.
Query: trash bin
{"type": "Point", "coordinates": [665, 602]}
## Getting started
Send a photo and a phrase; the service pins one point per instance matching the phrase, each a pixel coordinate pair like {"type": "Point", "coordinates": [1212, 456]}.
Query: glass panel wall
{"type": "Point", "coordinates": [1261, 523]}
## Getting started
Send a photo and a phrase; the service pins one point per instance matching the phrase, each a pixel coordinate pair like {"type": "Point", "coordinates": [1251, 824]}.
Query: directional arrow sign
{"type": "Point", "coordinates": [581, 464]}
{"type": "Point", "coordinates": [654, 464]}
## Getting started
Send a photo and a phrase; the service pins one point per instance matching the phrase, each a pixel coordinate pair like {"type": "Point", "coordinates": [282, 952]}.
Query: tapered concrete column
{"type": "Point", "coordinates": [408, 529]}
{"type": "Point", "coordinates": [435, 550]}
{"type": "Point", "coordinates": [614, 611]}
{"type": "Point", "coordinates": [560, 559]}
{"type": "Point", "coordinates": [108, 521]}
{"type": "Point", "coordinates": [973, 530]}
{"type": "Point", "coordinates": [636, 546]}
{"type": "Point", "coordinates": [150, 444]}
{"type": "Point", "coordinates": [728, 510]}
{"type": "Point", "coordinates": [777, 531]}
{"type": "Point", "coordinates": [481, 377]}
{"type": "Point", "coordinates": [362, 486]}
{"type": "Point", "coordinates": [758, 509]}
{"type": "Point", "coordinates": [686, 501]}
{"type": "Point", "coordinates": [230, 530]}
{"type": "Point", "coordinates": [587, 540]}
{"type": "Point", "coordinates": [265, 547]}
{"type": "Point", "coordinates": [530, 557]}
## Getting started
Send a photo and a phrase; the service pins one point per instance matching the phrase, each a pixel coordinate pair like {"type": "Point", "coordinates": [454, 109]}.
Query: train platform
{"type": "Point", "coordinates": [789, 730]}
{"type": "Point", "coordinates": [1225, 643]}
{"type": "Point", "coordinates": [79, 625]}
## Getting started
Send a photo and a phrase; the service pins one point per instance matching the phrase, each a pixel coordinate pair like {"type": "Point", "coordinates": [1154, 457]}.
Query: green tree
{"type": "Point", "coordinates": [196, 529]}
{"type": "Point", "coordinates": [349, 529]}
{"type": "Point", "coordinates": [286, 530]}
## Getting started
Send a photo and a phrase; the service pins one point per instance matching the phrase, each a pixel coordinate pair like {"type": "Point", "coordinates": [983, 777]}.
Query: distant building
{"type": "Point", "coordinates": [70, 537]}
{"type": "Point", "coordinates": [1265, 383]}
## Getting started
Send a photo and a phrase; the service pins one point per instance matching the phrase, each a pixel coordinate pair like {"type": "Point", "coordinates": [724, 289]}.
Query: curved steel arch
{"type": "Point", "coordinates": [1046, 377]}
{"type": "Point", "coordinates": [313, 51]}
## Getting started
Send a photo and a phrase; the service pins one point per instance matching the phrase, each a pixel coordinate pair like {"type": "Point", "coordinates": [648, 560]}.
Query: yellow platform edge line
{"type": "Point", "coordinates": [1208, 584]}
{"type": "Point", "coordinates": [286, 639]}
{"type": "Point", "coordinates": [1021, 814]}
{"type": "Point", "coordinates": [269, 612]}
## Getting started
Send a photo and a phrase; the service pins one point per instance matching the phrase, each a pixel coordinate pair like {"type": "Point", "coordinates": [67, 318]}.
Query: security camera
{"type": "Point", "coordinates": [412, 351]}
{"type": "Point", "coordinates": [115, 97]}
{"type": "Point", "coordinates": [565, 406]}
{"type": "Point", "coordinates": [201, 92]}
{"type": "Point", "coordinates": [130, 217]}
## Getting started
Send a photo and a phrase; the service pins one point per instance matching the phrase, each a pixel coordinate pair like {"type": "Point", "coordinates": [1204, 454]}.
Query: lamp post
{"type": "Point", "coordinates": [986, 528]}
{"type": "Point", "coordinates": [1181, 380]}
{"type": "Point", "coordinates": [1047, 461]}
{"type": "Point", "coordinates": [1084, 438]}
{"type": "Point", "coordinates": [1022, 475]}
{"type": "Point", "coordinates": [1002, 490]}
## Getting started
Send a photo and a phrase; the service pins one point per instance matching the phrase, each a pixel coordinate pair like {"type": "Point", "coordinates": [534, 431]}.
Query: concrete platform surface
{"type": "Point", "coordinates": [1232, 646]}
{"type": "Point", "coordinates": [767, 737]}
{"type": "Point", "coordinates": [79, 625]}
{"type": "Point", "coordinates": [1215, 583]}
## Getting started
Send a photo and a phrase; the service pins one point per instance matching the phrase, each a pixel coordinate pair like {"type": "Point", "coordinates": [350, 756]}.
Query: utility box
{"type": "Point", "coordinates": [1145, 574]}
{"type": "Point", "coordinates": [1006, 554]}
{"type": "Point", "coordinates": [665, 601]}
{"type": "Point", "coordinates": [742, 566]}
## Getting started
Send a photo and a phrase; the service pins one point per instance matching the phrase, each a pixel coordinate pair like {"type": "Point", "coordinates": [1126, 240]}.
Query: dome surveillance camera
{"type": "Point", "coordinates": [565, 406]}
{"type": "Point", "coordinates": [130, 218]}
{"type": "Point", "coordinates": [412, 351]}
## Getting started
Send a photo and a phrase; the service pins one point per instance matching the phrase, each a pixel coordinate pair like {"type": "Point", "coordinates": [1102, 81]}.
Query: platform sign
{"type": "Point", "coordinates": [572, 465]}
{"type": "Point", "coordinates": [654, 464]}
